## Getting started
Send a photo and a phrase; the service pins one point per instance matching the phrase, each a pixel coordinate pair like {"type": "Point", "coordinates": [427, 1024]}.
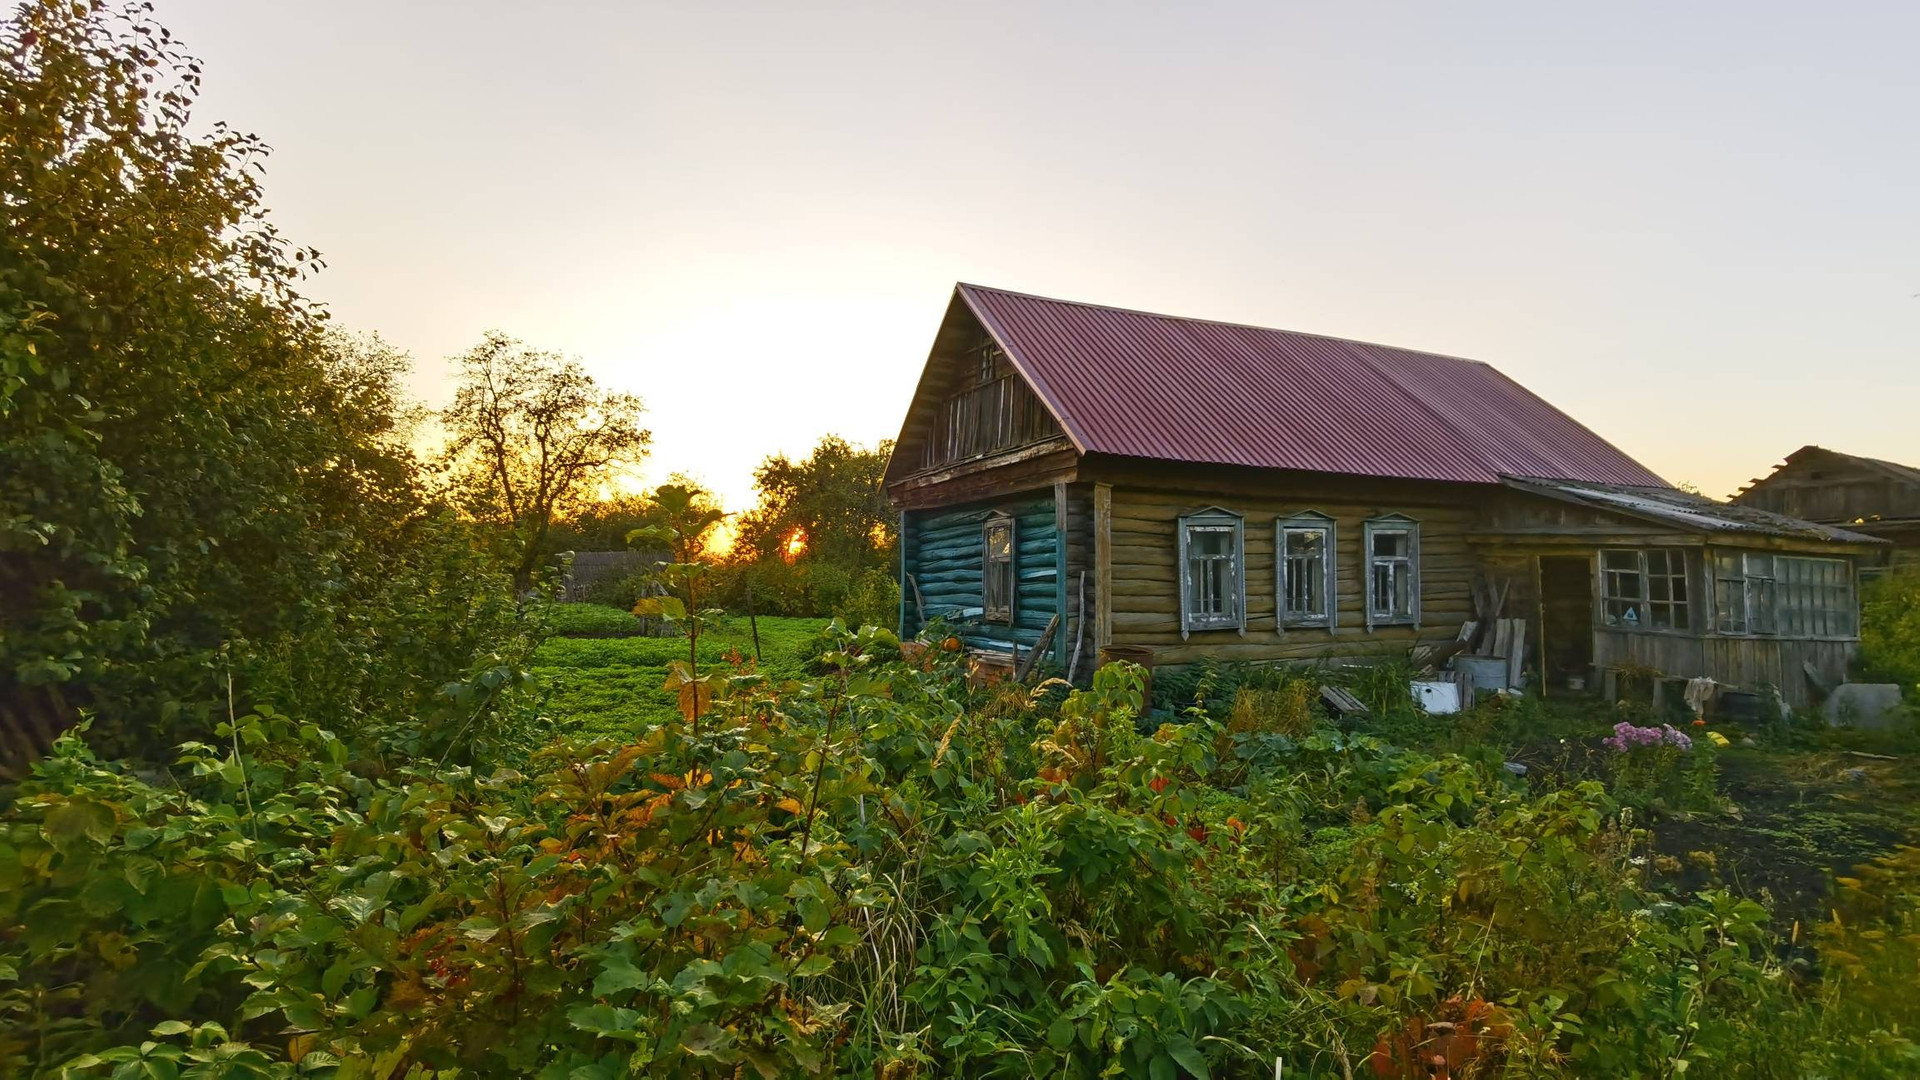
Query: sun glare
{"type": "Point", "coordinates": [796, 544]}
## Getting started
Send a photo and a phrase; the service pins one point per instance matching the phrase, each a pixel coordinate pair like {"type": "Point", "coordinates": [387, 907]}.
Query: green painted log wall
{"type": "Point", "coordinates": [943, 549]}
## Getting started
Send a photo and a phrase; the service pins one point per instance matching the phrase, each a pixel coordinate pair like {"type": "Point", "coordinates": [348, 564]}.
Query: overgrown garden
{"type": "Point", "coordinates": [325, 784]}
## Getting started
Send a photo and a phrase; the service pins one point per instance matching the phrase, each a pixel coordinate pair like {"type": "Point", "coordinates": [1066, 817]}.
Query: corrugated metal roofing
{"type": "Point", "coordinates": [1141, 385]}
{"type": "Point", "coordinates": [1697, 512]}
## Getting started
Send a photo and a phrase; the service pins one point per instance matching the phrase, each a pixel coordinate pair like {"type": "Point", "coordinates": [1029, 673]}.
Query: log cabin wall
{"type": "Point", "coordinates": [1143, 551]}
{"type": "Point", "coordinates": [943, 556]}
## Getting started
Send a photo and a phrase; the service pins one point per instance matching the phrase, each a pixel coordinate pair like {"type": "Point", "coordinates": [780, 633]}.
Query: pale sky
{"type": "Point", "coordinates": [1695, 227]}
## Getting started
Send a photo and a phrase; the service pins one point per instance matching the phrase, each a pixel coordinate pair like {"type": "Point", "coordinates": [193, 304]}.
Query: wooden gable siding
{"type": "Point", "coordinates": [971, 409]}
{"type": "Point", "coordinates": [1145, 591]}
{"type": "Point", "coordinates": [1817, 485]}
{"type": "Point", "coordinates": [943, 552]}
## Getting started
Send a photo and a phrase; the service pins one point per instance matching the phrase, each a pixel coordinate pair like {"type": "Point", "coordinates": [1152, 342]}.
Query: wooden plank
{"type": "Point", "coordinates": [1103, 565]}
{"type": "Point", "coordinates": [1060, 566]}
{"type": "Point", "coordinates": [1517, 642]}
{"type": "Point", "coordinates": [1039, 647]}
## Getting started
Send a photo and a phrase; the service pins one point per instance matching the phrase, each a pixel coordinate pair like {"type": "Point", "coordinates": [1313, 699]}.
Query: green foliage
{"type": "Point", "coordinates": [204, 494]}
{"type": "Point", "coordinates": [1890, 629]}
{"type": "Point", "coordinates": [611, 688]}
{"type": "Point", "coordinates": [886, 870]}
{"type": "Point", "coordinates": [530, 435]}
{"type": "Point", "coordinates": [593, 620]}
{"type": "Point", "coordinates": [820, 537]}
{"type": "Point", "coordinates": [872, 600]}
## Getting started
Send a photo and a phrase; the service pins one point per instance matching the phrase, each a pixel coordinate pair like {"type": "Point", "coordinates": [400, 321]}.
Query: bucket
{"type": "Point", "coordinates": [1487, 672]}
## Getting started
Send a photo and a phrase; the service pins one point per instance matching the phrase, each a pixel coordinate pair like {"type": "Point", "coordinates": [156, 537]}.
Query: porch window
{"type": "Point", "coordinates": [1789, 595]}
{"type": "Point", "coordinates": [1392, 547]}
{"type": "Point", "coordinates": [1213, 592]}
{"type": "Point", "coordinates": [1304, 547]}
{"type": "Point", "coordinates": [997, 578]}
{"type": "Point", "coordinates": [1645, 589]}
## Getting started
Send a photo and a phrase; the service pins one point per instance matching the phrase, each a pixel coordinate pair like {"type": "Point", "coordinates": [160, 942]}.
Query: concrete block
{"type": "Point", "coordinates": [1874, 706]}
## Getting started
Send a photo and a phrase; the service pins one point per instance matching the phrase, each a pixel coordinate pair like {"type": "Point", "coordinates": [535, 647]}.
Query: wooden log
{"type": "Point", "coordinates": [1039, 646]}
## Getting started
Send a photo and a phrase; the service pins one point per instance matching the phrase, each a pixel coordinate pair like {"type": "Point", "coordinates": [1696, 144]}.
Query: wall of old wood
{"type": "Point", "coordinates": [943, 552]}
{"type": "Point", "coordinates": [1818, 486]}
{"type": "Point", "coordinates": [1145, 592]}
{"type": "Point", "coordinates": [1736, 661]}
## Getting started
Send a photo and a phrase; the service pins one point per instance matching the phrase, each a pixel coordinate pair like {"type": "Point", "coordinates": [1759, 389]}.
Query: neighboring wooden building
{"type": "Point", "coordinates": [1229, 491]}
{"type": "Point", "coordinates": [1863, 494]}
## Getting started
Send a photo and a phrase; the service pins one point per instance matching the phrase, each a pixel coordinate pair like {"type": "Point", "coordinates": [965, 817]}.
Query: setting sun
{"type": "Point", "coordinates": [796, 544]}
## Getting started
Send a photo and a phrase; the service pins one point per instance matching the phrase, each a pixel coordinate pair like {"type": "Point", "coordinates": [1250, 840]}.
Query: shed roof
{"type": "Point", "coordinates": [1136, 384]}
{"type": "Point", "coordinates": [1893, 470]}
{"type": "Point", "coordinates": [1695, 513]}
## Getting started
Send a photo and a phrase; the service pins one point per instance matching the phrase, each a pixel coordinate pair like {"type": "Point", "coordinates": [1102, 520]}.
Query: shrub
{"type": "Point", "coordinates": [1890, 629]}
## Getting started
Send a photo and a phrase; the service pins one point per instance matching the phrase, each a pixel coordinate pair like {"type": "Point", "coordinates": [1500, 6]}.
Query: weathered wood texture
{"type": "Point", "coordinates": [1737, 661]}
{"type": "Point", "coordinates": [943, 554]}
{"type": "Point", "coordinates": [1145, 592]}
{"type": "Point", "coordinates": [1816, 484]}
{"type": "Point", "coordinates": [970, 412]}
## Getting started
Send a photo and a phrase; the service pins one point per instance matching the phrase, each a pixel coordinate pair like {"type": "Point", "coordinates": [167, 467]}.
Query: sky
{"type": "Point", "coordinates": [1695, 227]}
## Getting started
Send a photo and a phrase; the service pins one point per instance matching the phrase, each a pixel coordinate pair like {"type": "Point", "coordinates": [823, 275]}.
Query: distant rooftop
{"type": "Point", "coordinates": [1695, 512]}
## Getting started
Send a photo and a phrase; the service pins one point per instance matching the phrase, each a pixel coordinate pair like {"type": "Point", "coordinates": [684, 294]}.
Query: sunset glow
{"type": "Point", "coordinates": [796, 544]}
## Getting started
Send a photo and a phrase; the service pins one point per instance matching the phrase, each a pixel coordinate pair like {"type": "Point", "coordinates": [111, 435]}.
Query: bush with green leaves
{"type": "Point", "coordinates": [880, 869]}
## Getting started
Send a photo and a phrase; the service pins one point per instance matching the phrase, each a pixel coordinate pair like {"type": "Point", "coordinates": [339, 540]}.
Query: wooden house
{"type": "Point", "coordinates": [1170, 488]}
{"type": "Point", "coordinates": [1862, 494]}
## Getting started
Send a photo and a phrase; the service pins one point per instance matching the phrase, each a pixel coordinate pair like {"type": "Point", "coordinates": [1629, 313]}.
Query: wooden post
{"type": "Point", "coordinates": [1039, 646]}
{"type": "Point", "coordinates": [753, 619]}
{"type": "Point", "coordinates": [904, 576]}
{"type": "Point", "coordinates": [1080, 625]}
{"type": "Point", "coordinates": [1060, 567]}
{"type": "Point", "coordinates": [1102, 565]}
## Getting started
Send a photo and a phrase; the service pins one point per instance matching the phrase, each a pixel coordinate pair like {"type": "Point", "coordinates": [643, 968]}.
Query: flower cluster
{"type": "Point", "coordinates": [1628, 737]}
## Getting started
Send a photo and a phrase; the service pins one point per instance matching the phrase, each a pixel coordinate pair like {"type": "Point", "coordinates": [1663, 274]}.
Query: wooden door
{"type": "Point", "coordinates": [1566, 614]}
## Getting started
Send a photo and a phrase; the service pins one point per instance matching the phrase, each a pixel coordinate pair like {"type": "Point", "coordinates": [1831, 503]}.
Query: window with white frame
{"type": "Point", "coordinates": [1213, 591]}
{"type": "Point", "coordinates": [998, 581]}
{"type": "Point", "coordinates": [1788, 595]}
{"type": "Point", "coordinates": [1304, 577]}
{"type": "Point", "coordinates": [1391, 546]}
{"type": "Point", "coordinates": [1644, 589]}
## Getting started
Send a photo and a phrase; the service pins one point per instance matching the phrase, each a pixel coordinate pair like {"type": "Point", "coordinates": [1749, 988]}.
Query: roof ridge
{"type": "Point", "coordinates": [965, 285]}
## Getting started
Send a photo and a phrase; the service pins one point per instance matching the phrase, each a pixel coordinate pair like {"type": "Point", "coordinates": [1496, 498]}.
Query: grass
{"type": "Point", "coordinates": [592, 620]}
{"type": "Point", "coordinates": [600, 686]}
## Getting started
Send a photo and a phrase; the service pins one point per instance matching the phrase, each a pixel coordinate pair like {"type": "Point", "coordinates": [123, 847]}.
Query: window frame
{"type": "Point", "coordinates": [1005, 613]}
{"type": "Point", "coordinates": [1212, 518]}
{"type": "Point", "coordinates": [1760, 605]}
{"type": "Point", "coordinates": [1391, 524]}
{"type": "Point", "coordinates": [1307, 521]}
{"type": "Point", "coordinates": [1679, 612]}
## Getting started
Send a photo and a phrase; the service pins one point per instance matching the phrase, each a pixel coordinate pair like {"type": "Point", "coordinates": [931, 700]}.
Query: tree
{"type": "Point", "coordinates": [531, 434]}
{"type": "Point", "coordinates": [193, 469]}
{"type": "Point", "coordinates": [832, 505]}
{"type": "Point", "coordinates": [821, 533]}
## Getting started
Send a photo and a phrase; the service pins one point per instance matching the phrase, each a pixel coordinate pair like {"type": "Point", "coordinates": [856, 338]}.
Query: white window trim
{"type": "Point", "coordinates": [1235, 619]}
{"type": "Point", "coordinates": [1391, 523]}
{"type": "Point", "coordinates": [1329, 549]}
{"type": "Point", "coordinates": [1007, 616]}
{"type": "Point", "coordinates": [1645, 599]}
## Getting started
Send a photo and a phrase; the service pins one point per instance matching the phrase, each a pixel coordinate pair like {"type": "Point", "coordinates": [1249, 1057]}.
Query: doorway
{"type": "Point", "coordinates": [1566, 617]}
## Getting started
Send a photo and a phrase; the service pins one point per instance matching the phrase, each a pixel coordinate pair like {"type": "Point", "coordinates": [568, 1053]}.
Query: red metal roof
{"type": "Point", "coordinates": [1136, 384]}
